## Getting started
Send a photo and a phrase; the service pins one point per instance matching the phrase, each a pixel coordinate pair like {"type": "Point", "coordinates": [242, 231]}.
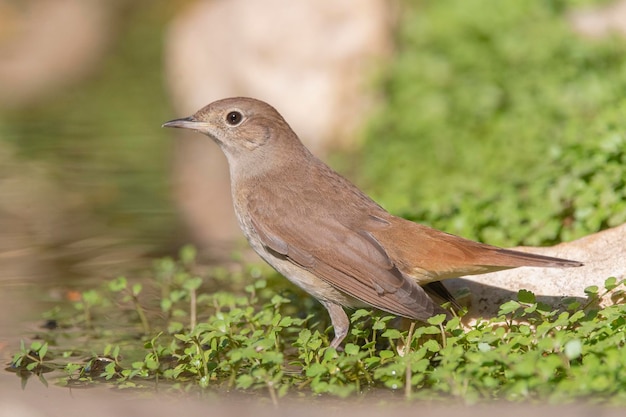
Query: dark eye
{"type": "Point", "coordinates": [233, 118]}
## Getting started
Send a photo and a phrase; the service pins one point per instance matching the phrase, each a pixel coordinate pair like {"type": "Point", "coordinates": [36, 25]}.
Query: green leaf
{"type": "Point", "coordinates": [43, 351]}
{"type": "Point", "coordinates": [359, 314]}
{"type": "Point", "coordinates": [509, 307]}
{"type": "Point", "coordinates": [137, 289]}
{"type": "Point", "coordinates": [386, 354]}
{"type": "Point", "coordinates": [118, 284]}
{"type": "Point", "coordinates": [429, 330]}
{"type": "Point", "coordinates": [432, 345]}
{"type": "Point", "coordinates": [453, 323]}
{"type": "Point", "coordinates": [525, 296]}
{"type": "Point", "coordinates": [188, 254]}
{"type": "Point", "coordinates": [192, 283]}
{"type": "Point", "coordinates": [610, 283]}
{"type": "Point", "coordinates": [392, 334]}
{"type": "Point", "coordinates": [484, 347]}
{"type": "Point", "coordinates": [315, 370]}
{"type": "Point", "coordinates": [304, 336]}
{"type": "Point", "coordinates": [244, 381]}
{"type": "Point", "coordinates": [437, 320]}
{"type": "Point", "coordinates": [351, 349]}
{"type": "Point", "coordinates": [151, 362]}
{"type": "Point", "coordinates": [166, 304]}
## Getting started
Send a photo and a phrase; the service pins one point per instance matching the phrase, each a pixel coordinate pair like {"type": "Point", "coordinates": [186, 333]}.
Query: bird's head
{"type": "Point", "coordinates": [246, 129]}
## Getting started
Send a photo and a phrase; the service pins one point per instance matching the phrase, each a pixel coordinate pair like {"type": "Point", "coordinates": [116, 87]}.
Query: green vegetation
{"type": "Point", "coordinates": [250, 336]}
{"type": "Point", "coordinates": [501, 124]}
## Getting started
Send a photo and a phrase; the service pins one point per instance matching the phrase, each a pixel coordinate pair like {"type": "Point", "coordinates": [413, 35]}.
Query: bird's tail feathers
{"type": "Point", "coordinates": [515, 258]}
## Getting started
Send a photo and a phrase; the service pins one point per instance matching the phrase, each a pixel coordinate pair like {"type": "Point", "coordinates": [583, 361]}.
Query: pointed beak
{"type": "Point", "coordinates": [185, 123]}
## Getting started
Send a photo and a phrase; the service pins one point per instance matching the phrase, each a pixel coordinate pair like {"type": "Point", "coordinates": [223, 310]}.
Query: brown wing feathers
{"type": "Point", "coordinates": [360, 268]}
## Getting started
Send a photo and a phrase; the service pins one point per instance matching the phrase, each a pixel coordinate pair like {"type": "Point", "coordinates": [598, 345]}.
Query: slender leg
{"type": "Point", "coordinates": [340, 322]}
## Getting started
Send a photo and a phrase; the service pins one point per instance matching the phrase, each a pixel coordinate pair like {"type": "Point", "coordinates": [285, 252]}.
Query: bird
{"type": "Point", "coordinates": [325, 235]}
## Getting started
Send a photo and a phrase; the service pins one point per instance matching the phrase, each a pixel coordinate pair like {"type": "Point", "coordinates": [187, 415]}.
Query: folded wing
{"type": "Point", "coordinates": [347, 257]}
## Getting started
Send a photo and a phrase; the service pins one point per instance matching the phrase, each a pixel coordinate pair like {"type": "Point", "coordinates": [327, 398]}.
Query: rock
{"type": "Point", "coordinates": [600, 21]}
{"type": "Point", "coordinates": [311, 59]}
{"type": "Point", "coordinates": [47, 45]}
{"type": "Point", "coordinates": [603, 253]}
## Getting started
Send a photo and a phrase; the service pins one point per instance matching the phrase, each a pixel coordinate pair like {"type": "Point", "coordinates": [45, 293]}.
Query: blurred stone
{"type": "Point", "coordinates": [311, 59]}
{"type": "Point", "coordinates": [46, 45]}
{"type": "Point", "coordinates": [600, 21]}
{"type": "Point", "coordinates": [603, 253]}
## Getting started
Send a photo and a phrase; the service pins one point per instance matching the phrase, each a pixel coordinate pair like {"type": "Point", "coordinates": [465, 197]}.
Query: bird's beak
{"type": "Point", "coordinates": [186, 123]}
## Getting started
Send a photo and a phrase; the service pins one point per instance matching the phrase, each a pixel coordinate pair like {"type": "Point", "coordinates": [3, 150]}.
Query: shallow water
{"type": "Point", "coordinates": [84, 184]}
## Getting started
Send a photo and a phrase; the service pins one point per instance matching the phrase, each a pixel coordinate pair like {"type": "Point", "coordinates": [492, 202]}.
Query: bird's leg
{"type": "Point", "coordinates": [340, 322]}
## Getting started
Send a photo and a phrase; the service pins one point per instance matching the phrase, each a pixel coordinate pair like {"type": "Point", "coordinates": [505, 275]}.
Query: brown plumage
{"type": "Point", "coordinates": [324, 234]}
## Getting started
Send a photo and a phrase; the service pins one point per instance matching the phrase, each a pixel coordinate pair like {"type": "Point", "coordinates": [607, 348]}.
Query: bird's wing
{"type": "Point", "coordinates": [349, 259]}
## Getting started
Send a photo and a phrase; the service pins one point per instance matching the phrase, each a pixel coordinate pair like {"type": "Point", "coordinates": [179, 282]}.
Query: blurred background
{"type": "Point", "coordinates": [501, 122]}
{"type": "Point", "coordinates": [91, 181]}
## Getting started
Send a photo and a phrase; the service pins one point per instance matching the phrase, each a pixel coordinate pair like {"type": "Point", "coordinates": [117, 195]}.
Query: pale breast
{"type": "Point", "coordinates": [294, 273]}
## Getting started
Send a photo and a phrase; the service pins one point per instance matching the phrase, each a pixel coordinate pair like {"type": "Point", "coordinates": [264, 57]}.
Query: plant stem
{"type": "Point", "coordinates": [87, 316]}
{"type": "Point", "coordinates": [408, 372]}
{"type": "Point", "coordinates": [443, 335]}
{"type": "Point", "coordinates": [192, 309]}
{"type": "Point", "coordinates": [142, 315]}
{"type": "Point", "coordinates": [270, 388]}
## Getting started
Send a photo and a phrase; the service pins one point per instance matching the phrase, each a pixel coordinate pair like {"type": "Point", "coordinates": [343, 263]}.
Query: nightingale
{"type": "Point", "coordinates": [324, 234]}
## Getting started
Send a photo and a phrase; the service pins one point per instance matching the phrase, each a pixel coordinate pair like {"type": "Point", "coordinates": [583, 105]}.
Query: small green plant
{"type": "Point", "coordinates": [252, 338]}
{"type": "Point", "coordinates": [89, 300]}
{"type": "Point", "coordinates": [179, 284]}
{"type": "Point", "coordinates": [32, 360]}
{"type": "Point", "coordinates": [120, 285]}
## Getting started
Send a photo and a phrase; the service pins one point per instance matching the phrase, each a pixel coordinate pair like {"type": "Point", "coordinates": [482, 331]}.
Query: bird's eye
{"type": "Point", "coordinates": [233, 118]}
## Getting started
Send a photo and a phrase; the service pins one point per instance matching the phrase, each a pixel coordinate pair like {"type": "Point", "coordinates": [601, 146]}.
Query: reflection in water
{"type": "Point", "coordinates": [84, 192]}
{"type": "Point", "coordinates": [84, 171]}
{"type": "Point", "coordinates": [66, 213]}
